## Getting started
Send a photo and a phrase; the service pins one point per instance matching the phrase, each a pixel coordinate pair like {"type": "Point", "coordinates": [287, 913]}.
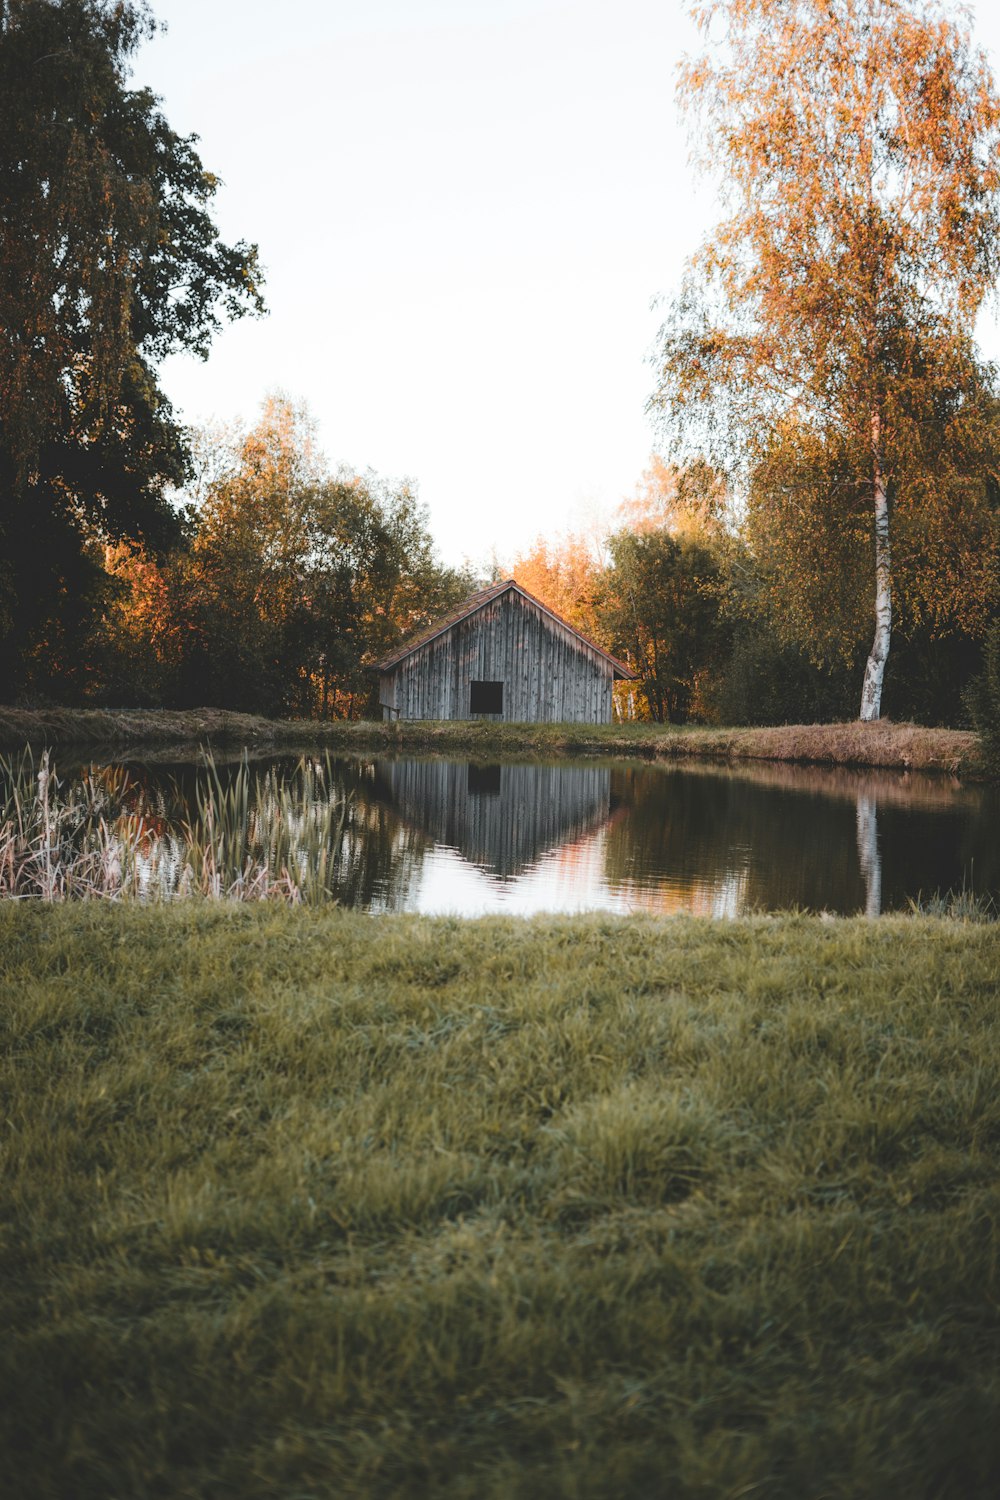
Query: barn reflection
{"type": "Point", "coordinates": [500, 818]}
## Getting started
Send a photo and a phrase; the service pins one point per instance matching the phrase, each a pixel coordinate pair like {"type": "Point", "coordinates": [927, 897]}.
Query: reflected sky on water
{"type": "Point", "coordinates": [453, 836]}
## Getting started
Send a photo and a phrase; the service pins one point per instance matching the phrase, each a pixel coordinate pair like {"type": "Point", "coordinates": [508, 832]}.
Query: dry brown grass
{"type": "Point", "coordinates": [880, 745]}
{"type": "Point", "coordinates": [140, 726]}
{"type": "Point", "coordinates": [103, 835]}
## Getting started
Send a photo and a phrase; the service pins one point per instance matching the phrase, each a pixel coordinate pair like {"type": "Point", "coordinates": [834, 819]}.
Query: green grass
{"type": "Point", "coordinates": [298, 1203]}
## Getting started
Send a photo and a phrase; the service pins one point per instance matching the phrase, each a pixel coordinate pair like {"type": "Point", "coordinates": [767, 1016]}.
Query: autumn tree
{"type": "Point", "coordinates": [822, 344]}
{"type": "Point", "coordinates": [243, 584]}
{"type": "Point", "coordinates": [691, 502]}
{"type": "Point", "coordinates": [134, 649]}
{"type": "Point", "coordinates": [564, 573]}
{"type": "Point", "coordinates": [109, 261]}
{"type": "Point", "coordinates": [298, 576]}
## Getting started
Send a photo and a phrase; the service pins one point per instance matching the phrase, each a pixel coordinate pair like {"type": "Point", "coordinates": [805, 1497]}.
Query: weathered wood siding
{"type": "Point", "coordinates": [549, 675]}
{"type": "Point", "coordinates": [503, 831]}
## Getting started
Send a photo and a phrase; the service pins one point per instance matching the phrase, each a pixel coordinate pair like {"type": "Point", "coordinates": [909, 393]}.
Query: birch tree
{"type": "Point", "coordinates": [822, 343]}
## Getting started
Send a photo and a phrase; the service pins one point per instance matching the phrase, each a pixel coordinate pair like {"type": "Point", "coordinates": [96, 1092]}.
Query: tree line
{"type": "Point", "coordinates": [677, 588]}
{"type": "Point", "coordinates": [138, 562]}
{"type": "Point", "coordinates": [831, 481]}
{"type": "Point", "coordinates": [290, 578]}
{"type": "Point", "coordinates": [287, 580]}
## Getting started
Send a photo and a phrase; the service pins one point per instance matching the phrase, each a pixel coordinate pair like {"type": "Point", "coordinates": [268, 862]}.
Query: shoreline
{"type": "Point", "coordinates": [883, 745]}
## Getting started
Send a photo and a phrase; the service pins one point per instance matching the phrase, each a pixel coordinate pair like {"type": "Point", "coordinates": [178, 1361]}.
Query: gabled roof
{"type": "Point", "coordinates": [477, 601]}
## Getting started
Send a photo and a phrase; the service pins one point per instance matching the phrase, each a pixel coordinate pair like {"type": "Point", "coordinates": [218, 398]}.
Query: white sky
{"type": "Point", "coordinates": [465, 209]}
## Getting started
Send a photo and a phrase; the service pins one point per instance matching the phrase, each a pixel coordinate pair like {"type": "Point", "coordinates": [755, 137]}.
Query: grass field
{"type": "Point", "coordinates": [882, 744]}
{"type": "Point", "coordinates": [304, 1204]}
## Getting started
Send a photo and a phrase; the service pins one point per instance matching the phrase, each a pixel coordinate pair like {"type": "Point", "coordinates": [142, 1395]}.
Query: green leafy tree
{"type": "Point", "coordinates": [243, 582]}
{"type": "Point", "coordinates": [822, 344]}
{"type": "Point", "coordinates": [109, 261]}
{"type": "Point", "coordinates": [660, 612]}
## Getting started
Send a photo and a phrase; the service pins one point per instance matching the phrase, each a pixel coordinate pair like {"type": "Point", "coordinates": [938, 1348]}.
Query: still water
{"type": "Point", "coordinates": [450, 836]}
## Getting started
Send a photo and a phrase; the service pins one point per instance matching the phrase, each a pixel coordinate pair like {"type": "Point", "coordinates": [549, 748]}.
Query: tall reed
{"type": "Point", "coordinates": [248, 836]}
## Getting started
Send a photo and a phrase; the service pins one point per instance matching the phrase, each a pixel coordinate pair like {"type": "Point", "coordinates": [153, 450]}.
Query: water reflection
{"type": "Point", "coordinates": [710, 840]}
{"type": "Point", "coordinates": [500, 818]}
{"type": "Point", "coordinates": [458, 836]}
{"type": "Point", "coordinates": [869, 856]}
{"type": "Point", "coordinates": [767, 837]}
{"type": "Point", "coordinates": [371, 853]}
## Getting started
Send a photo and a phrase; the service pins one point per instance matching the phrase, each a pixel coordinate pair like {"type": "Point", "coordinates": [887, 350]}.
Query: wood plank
{"type": "Point", "coordinates": [548, 674]}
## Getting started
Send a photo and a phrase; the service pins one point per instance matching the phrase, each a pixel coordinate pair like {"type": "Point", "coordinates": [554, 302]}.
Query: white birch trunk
{"type": "Point", "coordinates": [871, 692]}
{"type": "Point", "coordinates": [869, 855]}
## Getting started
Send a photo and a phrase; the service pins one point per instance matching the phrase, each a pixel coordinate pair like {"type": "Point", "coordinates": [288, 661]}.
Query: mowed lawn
{"type": "Point", "coordinates": [303, 1204]}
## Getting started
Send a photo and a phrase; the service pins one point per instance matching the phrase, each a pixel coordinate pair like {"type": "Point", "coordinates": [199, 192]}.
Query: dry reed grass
{"type": "Point", "coordinates": [249, 837]}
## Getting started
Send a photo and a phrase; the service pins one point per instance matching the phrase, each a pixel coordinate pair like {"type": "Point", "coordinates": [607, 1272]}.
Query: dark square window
{"type": "Point", "coordinates": [486, 698]}
{"type": "Point", "coordinates": [484, 781]}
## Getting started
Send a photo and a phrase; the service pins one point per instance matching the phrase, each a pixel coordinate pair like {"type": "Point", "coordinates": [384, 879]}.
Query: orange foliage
{"type": "Point", "coordinates": [565, 575]}
{"type": "Point", "coordinates": [689, 503]}
{"type": "Point", "coordinates": [141, 621]}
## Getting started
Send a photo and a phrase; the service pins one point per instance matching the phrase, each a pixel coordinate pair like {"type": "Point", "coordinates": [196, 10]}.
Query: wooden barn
{"type": "Point", "coordinates": [500, 655]}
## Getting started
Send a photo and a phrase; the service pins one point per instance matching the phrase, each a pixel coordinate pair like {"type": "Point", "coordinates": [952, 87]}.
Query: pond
{"type": "Point", "coordinates": [454, 836]}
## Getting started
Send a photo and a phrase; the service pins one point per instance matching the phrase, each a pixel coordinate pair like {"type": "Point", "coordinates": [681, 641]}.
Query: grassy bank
{"type": "Point", "coordinates": [305, 1204]}
{"type": "Point", "coordinates": [883, 744]}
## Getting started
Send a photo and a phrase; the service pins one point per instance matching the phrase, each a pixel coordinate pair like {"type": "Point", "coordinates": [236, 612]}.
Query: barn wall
{"type": "Point", "coordinates": [549, 674]}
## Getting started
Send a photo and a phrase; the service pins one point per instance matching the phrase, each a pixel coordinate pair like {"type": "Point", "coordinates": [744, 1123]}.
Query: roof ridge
{"type": "Point", "coordinates": [476, 601]}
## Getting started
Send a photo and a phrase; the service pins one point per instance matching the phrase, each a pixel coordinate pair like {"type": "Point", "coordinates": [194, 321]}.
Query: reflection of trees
{"type": "Point", "coordinates": [934, 832]}
{"type": "Point", "coordinates": [790, 836]}
{"type": "Point", "coordinates": [669, 827]}
{"type": "Point", "coordinates": [979, 850]}
{"type": "Point", "coordinates": [717, 833]}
